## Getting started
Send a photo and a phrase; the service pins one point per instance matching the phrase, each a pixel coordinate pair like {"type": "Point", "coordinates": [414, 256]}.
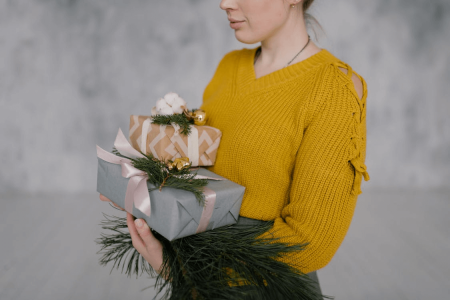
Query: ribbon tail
{"type": "Point", "coordinates": [121, 143]}
{"type": "Point", "coordinates": [129, 196]}
{"type": "Point", "coordinates": [109, 157]}
{"type": "Point", "coordinates": [137, 194]}
{"type": "Point", "coordinates": [208, 209]}
{"type": "Point", "coordinates": [128, 171]}
{"type": "Point", "coordinates": [142, 197]}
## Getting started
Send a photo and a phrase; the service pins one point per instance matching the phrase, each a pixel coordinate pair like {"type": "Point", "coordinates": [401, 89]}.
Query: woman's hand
{"type": "Point", "coordinates": [145, 242]}
{"type": "Point", "coordinates": [103, 198]}
{"type": "Point", "coordinates": [143, 239]}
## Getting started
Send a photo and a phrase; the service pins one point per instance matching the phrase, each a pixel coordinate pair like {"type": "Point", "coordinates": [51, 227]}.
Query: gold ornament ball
{"type": "Point", "coordinates": [180, 163]}
{"type": "Point", "coordinates": [199, 117]}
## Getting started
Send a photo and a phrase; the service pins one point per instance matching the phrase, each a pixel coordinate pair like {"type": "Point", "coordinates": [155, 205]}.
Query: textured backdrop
{"type": "Point", "coordinates": [72, 71]}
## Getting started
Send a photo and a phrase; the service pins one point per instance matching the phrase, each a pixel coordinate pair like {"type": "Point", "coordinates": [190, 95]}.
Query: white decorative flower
{"type": "Point", "coordinates": [178, 106]}
{"type": "Point", "coordinates": [176, 102]}
{"type": "Point", "coordinates": [162, 108]}
{"type": "Point", "coordinates": [172, 103]}
{"type": "Point", "coordinates": [171, 97]}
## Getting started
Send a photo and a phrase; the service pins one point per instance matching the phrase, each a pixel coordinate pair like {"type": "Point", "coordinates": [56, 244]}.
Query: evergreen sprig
{"type": "Point", "coordinates": [122, 253]}
{"type": "Point", "coordinates": [180, 119]}
{"type": "Point", "coordinates": [229, 262]}
{"type": "Point", "coordinates": [160, 176]}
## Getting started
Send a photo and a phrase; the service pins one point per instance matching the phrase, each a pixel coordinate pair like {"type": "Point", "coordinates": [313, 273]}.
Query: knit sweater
{"type": "Point", "coordinates": [295, 138]}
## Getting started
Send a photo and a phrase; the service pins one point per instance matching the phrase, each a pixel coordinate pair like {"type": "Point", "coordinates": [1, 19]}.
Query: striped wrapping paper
{"type": "Point", "coordinates": [165, 141]}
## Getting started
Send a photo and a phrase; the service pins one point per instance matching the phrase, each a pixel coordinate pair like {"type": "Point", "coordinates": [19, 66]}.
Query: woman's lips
{"type": "Point", "coordinates": [236, 24]}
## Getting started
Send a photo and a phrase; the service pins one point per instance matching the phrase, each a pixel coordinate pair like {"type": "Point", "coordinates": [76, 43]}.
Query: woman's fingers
{"type": "Point", "coordinates": [145, 242]}
{"type": "Point", "coordinates": [145, 233]}
{"type": "Point", "coordinates": [103, 198]}
{"type": "Point", "coordinates": [136, 239]}
{"type": "Point", "coordinates": [141, 234]}
{"type": "Point", "coordinates": [117, 206]}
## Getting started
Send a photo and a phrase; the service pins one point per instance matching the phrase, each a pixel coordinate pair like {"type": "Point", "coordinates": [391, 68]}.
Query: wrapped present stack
{"type": "Point", "coordinates": [156, 175]}
{"type": "Point", "coordinates": [153, 175]}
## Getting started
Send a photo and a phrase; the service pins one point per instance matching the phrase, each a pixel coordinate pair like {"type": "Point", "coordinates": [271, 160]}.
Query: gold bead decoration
{"type": "Point", "coordinates": [199, 117]}
{"type": "Point", "coordinates": [179, 163]}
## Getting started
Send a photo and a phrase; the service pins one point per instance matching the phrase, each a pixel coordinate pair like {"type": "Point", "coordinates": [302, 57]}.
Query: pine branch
{"type": "Point", "coordinates": [229, 262]}
{"type": "Point", "coordinates": [159, 175]}
{"type": "Point", "coordinates": [117, 247]}
{"type": "Point", "coordinates": [180, 119]}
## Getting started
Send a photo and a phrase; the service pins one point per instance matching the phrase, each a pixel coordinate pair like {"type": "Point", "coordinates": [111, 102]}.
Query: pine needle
{"type": "Point", "coordinates": [160, 176]}
{"type": "Point", "coordinates": [229, 262]}
{"type": "Point", "coordinates": [180, 119]}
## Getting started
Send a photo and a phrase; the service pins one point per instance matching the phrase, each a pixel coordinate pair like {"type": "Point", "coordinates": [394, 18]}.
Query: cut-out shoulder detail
{"type": "Point", "coordinates": [356, 154]}
{"type": "Point", "coordinates": [357, 83]}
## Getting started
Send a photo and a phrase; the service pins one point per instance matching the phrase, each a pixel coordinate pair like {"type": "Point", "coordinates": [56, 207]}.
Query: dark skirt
{"type": "Point", "coordinates": [247, 221]}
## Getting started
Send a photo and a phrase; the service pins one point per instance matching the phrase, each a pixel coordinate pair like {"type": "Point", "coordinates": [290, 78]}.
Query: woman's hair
{"type": "Point", "coordinates": [309, 19]}
{"type": "Point", "coordinates": [306, 4]}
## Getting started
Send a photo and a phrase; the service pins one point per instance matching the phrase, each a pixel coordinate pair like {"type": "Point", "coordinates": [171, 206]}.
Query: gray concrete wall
{"type": "Point", "coordinates": [72, 71]}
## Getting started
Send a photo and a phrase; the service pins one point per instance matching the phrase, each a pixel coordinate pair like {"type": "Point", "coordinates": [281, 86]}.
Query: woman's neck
{"type": "Point", "coordinates": [278, 49]}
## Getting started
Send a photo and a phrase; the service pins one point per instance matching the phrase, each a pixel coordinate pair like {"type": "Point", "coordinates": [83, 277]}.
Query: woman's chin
{"type": "Point", "coordinates": [245, 38]}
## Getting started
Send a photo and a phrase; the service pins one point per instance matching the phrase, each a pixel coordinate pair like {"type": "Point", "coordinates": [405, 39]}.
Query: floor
{"type": "Point", "coordinates": [397, 248]}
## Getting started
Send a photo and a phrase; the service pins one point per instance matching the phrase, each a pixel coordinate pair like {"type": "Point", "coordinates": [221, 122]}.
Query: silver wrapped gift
{"type": "Point", "coordinates": [175, 213]}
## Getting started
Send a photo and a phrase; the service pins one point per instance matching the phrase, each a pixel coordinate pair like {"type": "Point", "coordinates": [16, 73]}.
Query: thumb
{"type": "Point", "coordinates": [144, 232]}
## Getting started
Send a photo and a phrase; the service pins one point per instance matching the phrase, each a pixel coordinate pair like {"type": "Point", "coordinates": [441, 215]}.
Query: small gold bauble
{"type": "Point", "coordinates": [199, 117]}
{"type": "Point", "coordinates": [179, 163]}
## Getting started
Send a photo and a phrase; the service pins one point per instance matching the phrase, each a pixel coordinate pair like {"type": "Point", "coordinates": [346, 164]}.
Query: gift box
{"type": "Point", "coordinates": [175, 213]}
{"type": "Point", "coordinates": [166, 141]}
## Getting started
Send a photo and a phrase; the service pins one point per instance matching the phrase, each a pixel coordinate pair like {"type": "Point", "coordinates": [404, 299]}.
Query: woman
{"type": "Point", "coordinates": [293, 122]}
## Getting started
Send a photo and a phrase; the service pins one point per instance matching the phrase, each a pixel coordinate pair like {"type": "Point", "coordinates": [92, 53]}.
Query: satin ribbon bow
{"type": "Point", "coordinates": [137, 190]}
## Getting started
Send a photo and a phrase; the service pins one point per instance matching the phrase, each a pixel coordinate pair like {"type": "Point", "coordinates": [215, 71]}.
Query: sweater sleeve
{"type": "Point", "coordinates": [327, 174]}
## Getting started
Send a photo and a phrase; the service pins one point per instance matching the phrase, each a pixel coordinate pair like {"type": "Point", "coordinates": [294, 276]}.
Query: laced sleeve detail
{"type": "Point", "coordinates": [357, 151]}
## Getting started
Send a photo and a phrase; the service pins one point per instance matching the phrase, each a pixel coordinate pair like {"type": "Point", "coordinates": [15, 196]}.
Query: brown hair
{"type": "Point", "coordinates": [309, 19]}
{"type": "Point", "coordinates": [306, 4]}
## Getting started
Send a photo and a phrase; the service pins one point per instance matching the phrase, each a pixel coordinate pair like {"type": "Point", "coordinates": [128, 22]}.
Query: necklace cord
{"type": "Point", "coordinates": [309, 38]}
{"type": "Point", "coordinates": [259, 53]}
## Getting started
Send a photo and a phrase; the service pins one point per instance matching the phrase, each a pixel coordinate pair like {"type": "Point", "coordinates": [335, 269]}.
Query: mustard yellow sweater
{"type": "Point", "coordinates": [296, 139]}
